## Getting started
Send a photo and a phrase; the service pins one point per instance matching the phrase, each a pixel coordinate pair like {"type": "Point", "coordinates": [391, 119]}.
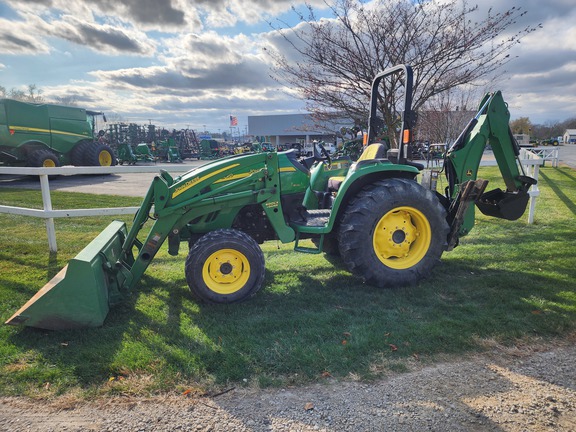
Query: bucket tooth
{"type": "Point", "coordinates": [78, 296]}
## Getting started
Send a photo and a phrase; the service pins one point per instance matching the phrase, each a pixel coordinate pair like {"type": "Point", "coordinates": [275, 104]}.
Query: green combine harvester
{"type": "Point", "coordinates": [388, 229]}
{"type": "Point", "coordinates": [46, 135]}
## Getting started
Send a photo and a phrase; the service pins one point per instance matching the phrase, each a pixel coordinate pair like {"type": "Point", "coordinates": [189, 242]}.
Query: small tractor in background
{"type": "Point", "coordinates": [46, 135]}
{"type": "Point", "coordinates": [167, 150]}
{"type": "Point", "coordinates": [554, 141]}
{"type": "Point", "coordinates": [129, 155]}
{"type": "Point", "coordinates": [388, 229]}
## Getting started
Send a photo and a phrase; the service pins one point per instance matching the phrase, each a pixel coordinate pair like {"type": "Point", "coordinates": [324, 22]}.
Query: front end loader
{"type": "Point", "coordinates": [388, 229]}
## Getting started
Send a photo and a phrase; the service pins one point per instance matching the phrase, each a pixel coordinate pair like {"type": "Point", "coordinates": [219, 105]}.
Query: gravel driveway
{"type": "Point", "coordinates": [505, 390]}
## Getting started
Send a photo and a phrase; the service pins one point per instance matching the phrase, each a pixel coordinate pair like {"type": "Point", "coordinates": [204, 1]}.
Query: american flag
{"type": "Point", "coordinates": [233, 121]}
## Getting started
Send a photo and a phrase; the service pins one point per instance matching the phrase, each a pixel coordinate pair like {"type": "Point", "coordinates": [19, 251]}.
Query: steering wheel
{"type": "Point", "coordinates": [324, 155]}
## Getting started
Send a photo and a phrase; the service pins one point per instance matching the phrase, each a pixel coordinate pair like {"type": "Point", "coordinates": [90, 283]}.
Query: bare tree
{"type": "Point", "coordinates": [331, 62]}
{"type": "Point", "coordinates": [68, 100]}
{"type": "Point", "coordinates": [33, 95]}
{"type": "Point", "coordinates": [446, 114]}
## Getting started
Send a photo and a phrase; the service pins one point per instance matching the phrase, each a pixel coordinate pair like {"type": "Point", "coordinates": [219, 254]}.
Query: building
{"type": "Point", "coordinates": [294, 128]}
{"type": "Point", "coordinates": [569, 136]}
{"type": "Point", "coordinates": [433, 126]}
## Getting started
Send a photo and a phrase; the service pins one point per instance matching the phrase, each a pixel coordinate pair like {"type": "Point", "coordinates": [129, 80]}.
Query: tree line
{"type": "Point", "coordinates": [550, 129]}
{"type": "Point", "coordinates": [33, 94]}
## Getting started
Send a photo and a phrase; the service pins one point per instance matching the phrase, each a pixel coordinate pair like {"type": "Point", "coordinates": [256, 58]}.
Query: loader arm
{"type": "Point", "coordinates": [462, 160]}
{"type": "Point", "coordinates": [202, 200]}
{"type": "Point", "coordinates": [177, 202]}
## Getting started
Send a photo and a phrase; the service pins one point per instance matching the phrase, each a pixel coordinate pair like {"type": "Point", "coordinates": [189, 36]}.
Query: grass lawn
{"type": "Point", "coordinates": [507, 283]}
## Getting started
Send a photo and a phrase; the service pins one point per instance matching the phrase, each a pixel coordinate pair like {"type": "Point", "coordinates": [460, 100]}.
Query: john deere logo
{"type": "Point", "coordinates": [469, 173]}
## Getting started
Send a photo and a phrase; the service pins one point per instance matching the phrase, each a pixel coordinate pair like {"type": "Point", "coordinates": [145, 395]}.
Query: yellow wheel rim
{"type": "Point", "coordinates": [48, 163]}
{"type": "Point", "coordinates": [226, 271]}
{"type": "Point", "coordinates": [105, 158]}
{"type": "Point", "coordinates": [402, 237]}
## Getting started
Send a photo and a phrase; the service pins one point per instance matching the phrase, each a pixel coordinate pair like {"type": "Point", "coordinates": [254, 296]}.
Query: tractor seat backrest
{"type": "Point", "coordinates": [371, 152]}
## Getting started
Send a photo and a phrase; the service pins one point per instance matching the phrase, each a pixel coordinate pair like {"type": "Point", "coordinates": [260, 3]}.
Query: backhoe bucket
{"type": "Point", "coordinates": [79, 295]}
{"type": "Point", "coordinates": [504, 205]}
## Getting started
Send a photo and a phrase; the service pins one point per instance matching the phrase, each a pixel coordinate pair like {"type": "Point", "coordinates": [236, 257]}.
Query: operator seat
{"type": "Point", "coordinates": [371, 152]}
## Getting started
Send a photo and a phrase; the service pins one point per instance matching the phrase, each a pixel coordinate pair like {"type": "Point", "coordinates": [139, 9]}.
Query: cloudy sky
{"type": "Point", "coordinates": [192, 63]}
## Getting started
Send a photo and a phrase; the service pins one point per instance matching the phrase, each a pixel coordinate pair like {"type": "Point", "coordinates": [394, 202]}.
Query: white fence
{"type": "Point", "coordinates": [531, 162]}
{"type": "Point", "coordinates": [547, 154]}
{"type": "Point", "coordinates": [49, 214]}
{"type": "Point", "coordinates": [529, 158]}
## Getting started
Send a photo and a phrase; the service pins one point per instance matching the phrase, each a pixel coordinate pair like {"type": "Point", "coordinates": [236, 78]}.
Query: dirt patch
{"type": "Point", "coordinates": [520, 389]}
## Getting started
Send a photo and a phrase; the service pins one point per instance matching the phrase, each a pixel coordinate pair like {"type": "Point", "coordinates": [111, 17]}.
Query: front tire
{"type": "Point", "coordinates": [43, 158]}
{"type": "Point", "coordinates": [225, 266]}
{"type": "Point", "coordinates": [393, 233]}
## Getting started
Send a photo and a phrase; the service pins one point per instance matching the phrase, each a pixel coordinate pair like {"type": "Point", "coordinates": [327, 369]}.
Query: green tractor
{"type": "Point", "coordinates": [388, 229]}
{"type": "Point", "coordinates": [45, 135]}
{"type": "Point", "coordinates": [130, 155]}
{"type": "Point", "coordinates": [551, 141]}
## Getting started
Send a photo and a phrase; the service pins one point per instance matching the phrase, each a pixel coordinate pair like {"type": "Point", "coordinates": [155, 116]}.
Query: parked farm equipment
{"type": "Point", "coordinates": [46, 135]}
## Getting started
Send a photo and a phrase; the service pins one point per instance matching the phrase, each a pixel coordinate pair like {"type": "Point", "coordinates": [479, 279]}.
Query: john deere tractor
{"type": "Point", "coordinates": [46, 135]}
{"type": "Point", "coordinates": [388, 229]}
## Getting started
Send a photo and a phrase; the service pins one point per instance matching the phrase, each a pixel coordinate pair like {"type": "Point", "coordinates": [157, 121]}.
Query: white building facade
{"type": "Point", "coordinates": [569, 136]}
{"type": "Point", "coordinates": [285, 129]}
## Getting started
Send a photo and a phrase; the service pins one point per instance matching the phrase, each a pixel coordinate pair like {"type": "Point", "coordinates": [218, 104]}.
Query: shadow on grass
{"type": "Point", "coordinates": [566, 172]}
{"type": "Point", "coordinates": [558, 191]}
{"type": "Point", "coordinates": [301, 325]}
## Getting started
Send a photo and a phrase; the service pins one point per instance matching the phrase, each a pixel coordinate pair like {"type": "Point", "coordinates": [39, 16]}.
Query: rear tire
{"type": "Point", "coordinates": [43, 158]}
{"type": "Point", "coordinates": [393, 233]}
{"type": "Point", "coordinates": [78, 153]}
{"type": "Point", "coordinates": [330, 245]}
{"type": "Point", "coordinates": [225, 266]}
{"type": "Point", "coordinates": [99, 154]}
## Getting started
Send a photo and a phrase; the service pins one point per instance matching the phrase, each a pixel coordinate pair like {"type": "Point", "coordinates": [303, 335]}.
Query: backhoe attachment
{"type": "Point", "coordinates": [489, 126]}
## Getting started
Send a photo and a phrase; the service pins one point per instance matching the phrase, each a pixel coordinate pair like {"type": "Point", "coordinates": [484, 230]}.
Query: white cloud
{"type": "Point", "coordinates": [17, 39]}
{"type": "Point", "coordinates": [105, 38]}
{"type": "Point", "coordinates": [167, 15]}
{"type": "Point", "coordinates": [180, 67]}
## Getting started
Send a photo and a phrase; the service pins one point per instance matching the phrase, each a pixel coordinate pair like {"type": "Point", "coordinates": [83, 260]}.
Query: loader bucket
{"type": "Point", "coordinates": [78, 296]}
{"type": "Point", "coordinates": [504, 205]}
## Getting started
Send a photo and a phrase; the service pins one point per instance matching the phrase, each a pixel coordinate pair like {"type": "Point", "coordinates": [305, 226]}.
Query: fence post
{"type": "Point", "coordinates": [555, 158]}
{"type": "Point", "coordinates": [534, 192]}
{"type": "Point", "coordinates": [47, 205]}
{"type": "Point", "coordinates": [531, 161]}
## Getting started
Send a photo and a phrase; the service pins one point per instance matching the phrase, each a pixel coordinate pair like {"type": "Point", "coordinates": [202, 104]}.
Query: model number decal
{"type": "Point", "coordinates": [190, 183]}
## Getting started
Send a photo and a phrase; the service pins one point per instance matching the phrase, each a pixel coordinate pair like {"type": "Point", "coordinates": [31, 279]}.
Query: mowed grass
{"type": "Point", "coordinates": [507, 283]}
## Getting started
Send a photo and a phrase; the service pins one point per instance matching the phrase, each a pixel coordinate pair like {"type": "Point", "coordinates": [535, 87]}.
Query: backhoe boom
{"type": "Point", "coordinates": [489, 126]}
